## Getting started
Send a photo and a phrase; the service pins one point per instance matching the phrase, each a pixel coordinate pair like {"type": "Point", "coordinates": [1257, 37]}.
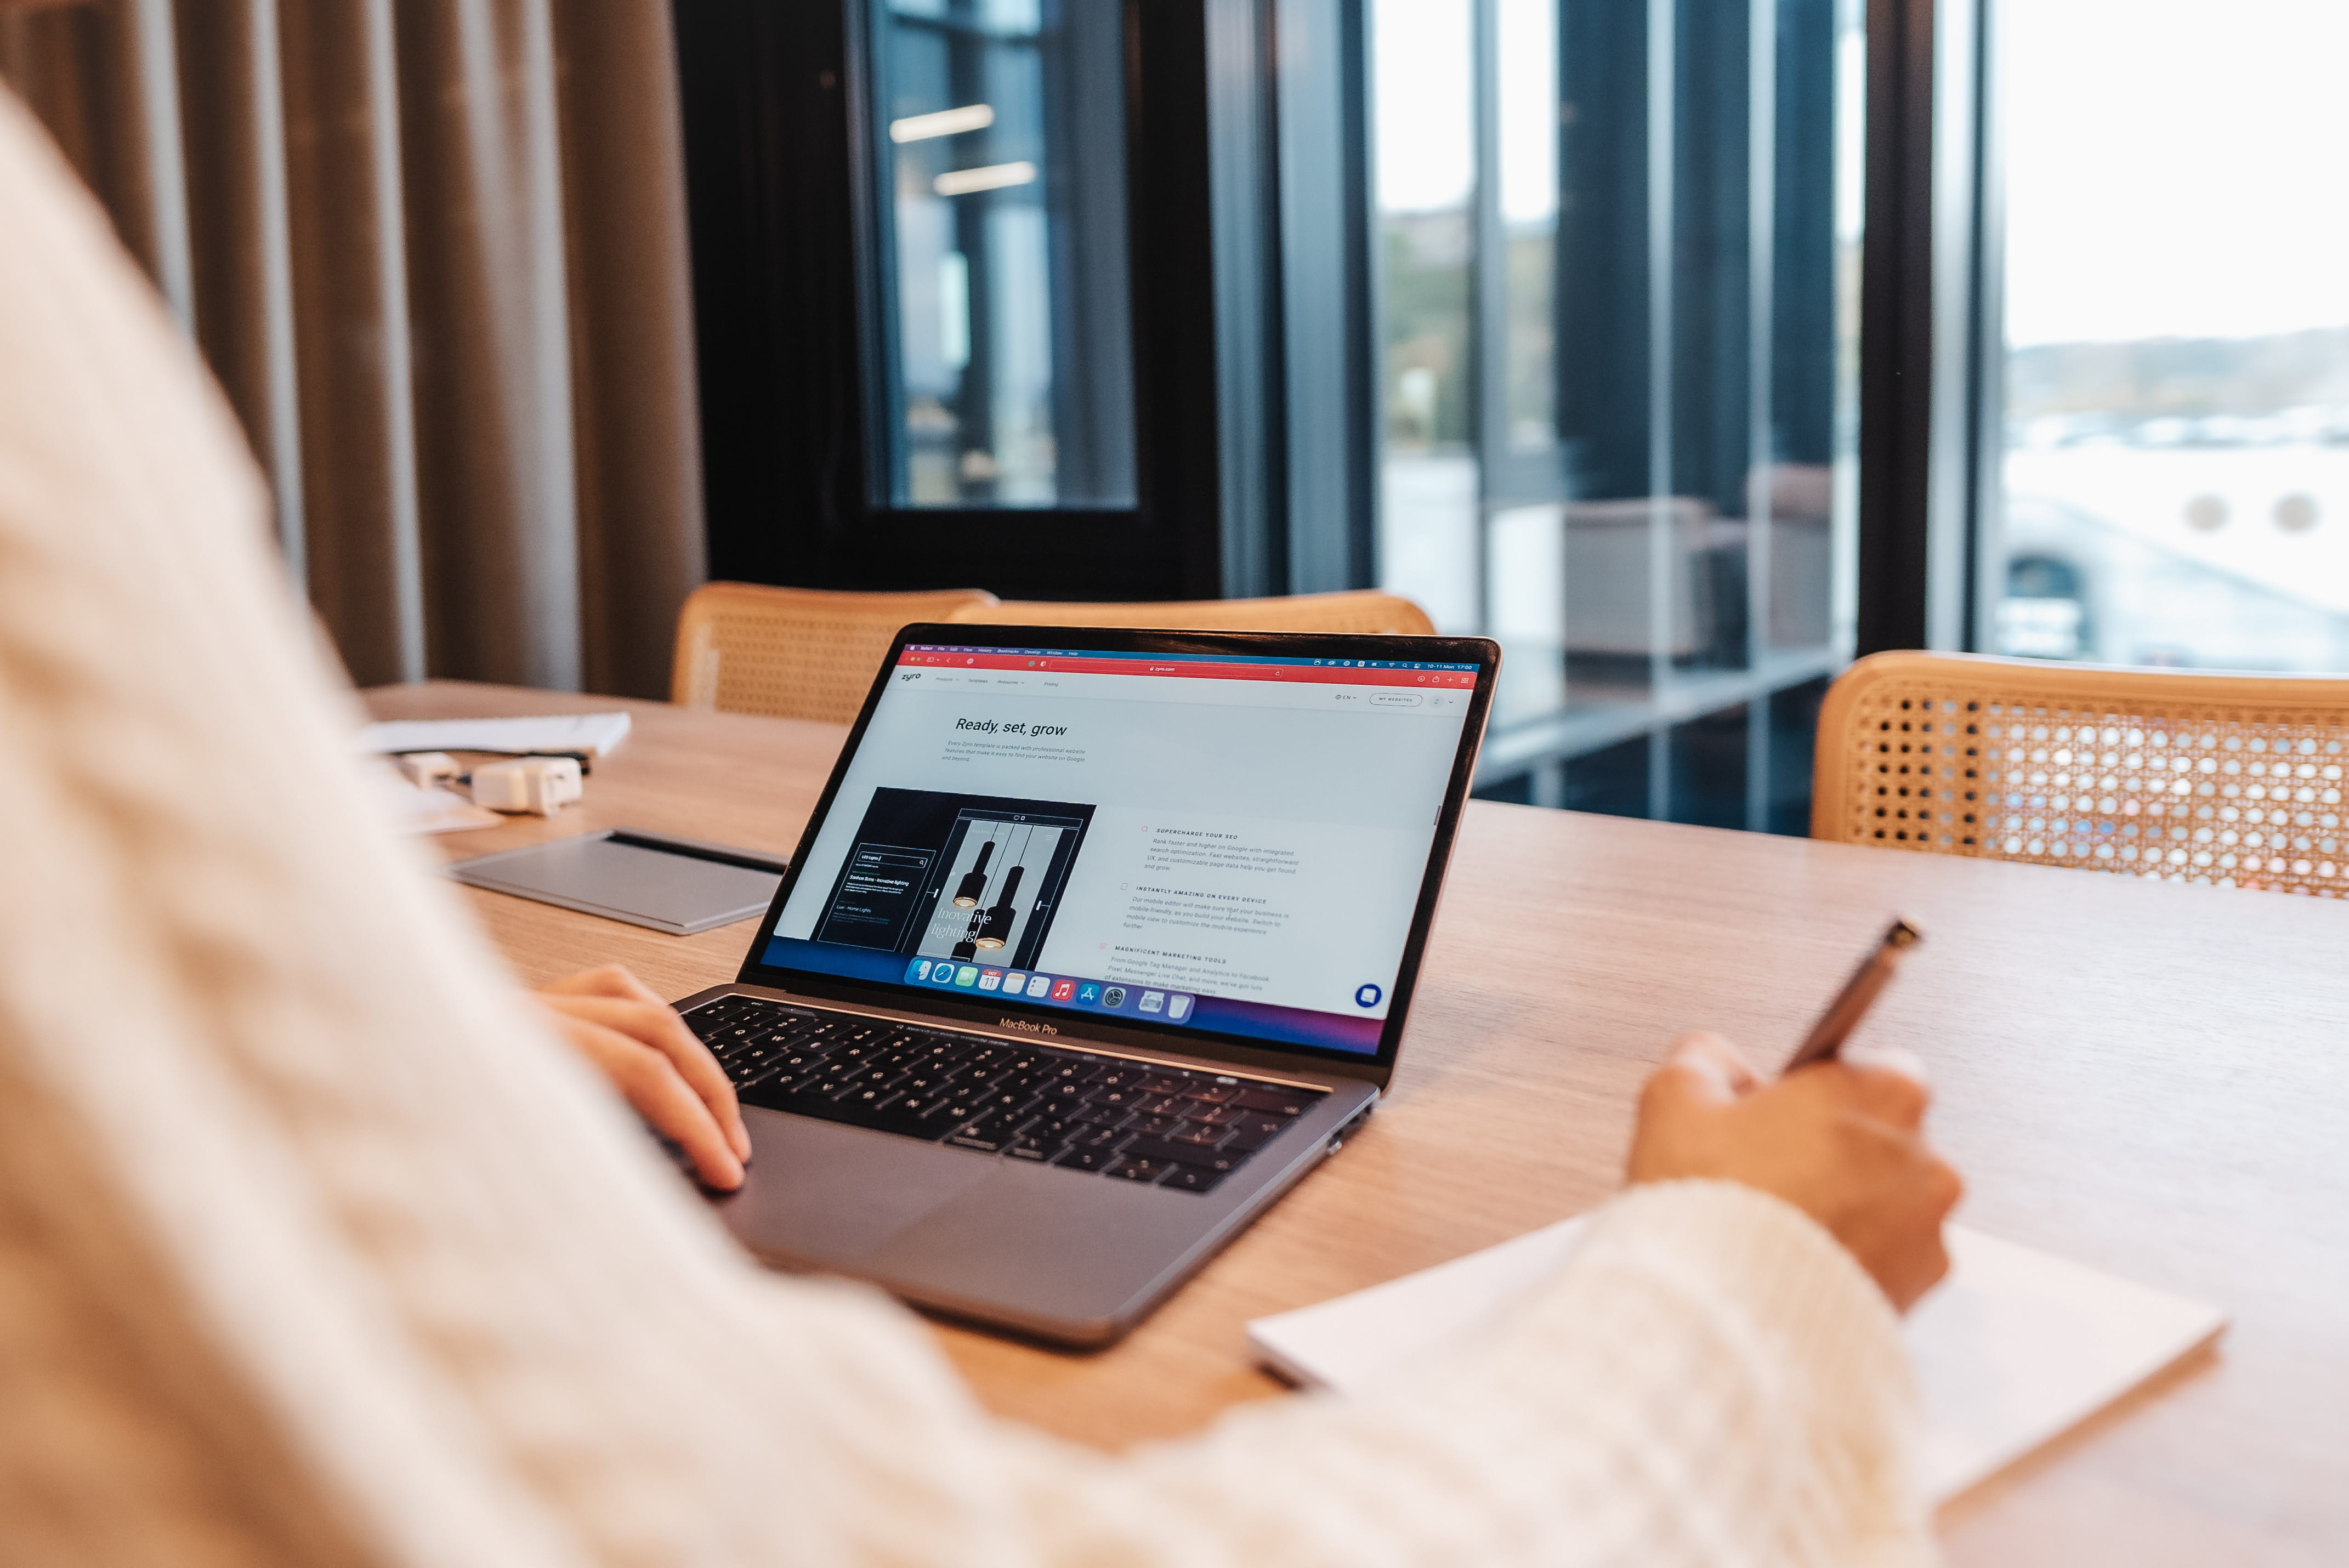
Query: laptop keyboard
{"type": "Point", "coordinates": [1130, 1121]}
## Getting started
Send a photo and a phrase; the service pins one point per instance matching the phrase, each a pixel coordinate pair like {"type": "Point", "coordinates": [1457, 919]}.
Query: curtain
{"type": "Point", "coordinates": [435, 251]}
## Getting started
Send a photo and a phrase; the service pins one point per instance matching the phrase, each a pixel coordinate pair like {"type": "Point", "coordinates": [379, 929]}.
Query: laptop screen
{"type": "Point", "coordinates": [1216, 843]}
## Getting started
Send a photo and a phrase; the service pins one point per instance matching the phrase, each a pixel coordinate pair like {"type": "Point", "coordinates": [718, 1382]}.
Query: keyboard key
{"type": "Point", "coordinates": [878, 1116]}
{"type": "Point", "coordinates": [1191, 1178]}
{"type": "Point", "coordinates": [904, 1119]}
{"type": "Point", "coordinates": [1142, 1170]}
{"type": "Point", "coordinates": [795, 1060]}
{"type": "Point", "coordinates": [744, 1077]}
{"type": "Point", "coordinates": [1166, 1152]}
{"type": "Point", "coordinates": [1087, 1159]}
{"type": "Point", "coordinates": [1028, 1146]}
{"type": "Point", "coordinates": [989, 1133]}
{"type": "Point", "coordinates": [1254, 1133]}
{"type": "Point", "coordinates": [1219, 1161]}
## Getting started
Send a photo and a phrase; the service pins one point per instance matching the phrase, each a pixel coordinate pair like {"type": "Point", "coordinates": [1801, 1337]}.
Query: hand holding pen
{"type": "Point", "coordinates": [1841, 1139]}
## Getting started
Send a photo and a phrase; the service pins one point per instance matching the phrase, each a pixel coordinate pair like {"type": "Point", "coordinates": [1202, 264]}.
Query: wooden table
{"type": "Point", "coordinates": [2150, 1078]}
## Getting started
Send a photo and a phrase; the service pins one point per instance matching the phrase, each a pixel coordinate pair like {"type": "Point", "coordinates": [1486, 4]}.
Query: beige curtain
{"type": "Point", "coordinates": [436, 251]}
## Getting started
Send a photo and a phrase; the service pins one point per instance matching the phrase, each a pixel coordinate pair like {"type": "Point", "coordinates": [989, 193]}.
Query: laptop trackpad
{"type": "Point", "coordinates": [825, 1194]}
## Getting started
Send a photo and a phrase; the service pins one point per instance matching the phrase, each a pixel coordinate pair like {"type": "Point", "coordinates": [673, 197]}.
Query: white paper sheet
{"type": "Point", "coordinates": [592, 733]}
{"type": "Point", "coordinates": [433, 811]}
{"type": "Point", "coordinates": [2012, 1350]}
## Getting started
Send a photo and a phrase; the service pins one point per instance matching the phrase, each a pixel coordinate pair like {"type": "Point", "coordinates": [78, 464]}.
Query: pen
{"type": "Point", "coordinates": [1859, 994]}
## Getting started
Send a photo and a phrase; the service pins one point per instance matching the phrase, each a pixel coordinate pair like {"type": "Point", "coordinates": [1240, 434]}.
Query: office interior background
{"type": "Point", "coordinates": [1689, 348]}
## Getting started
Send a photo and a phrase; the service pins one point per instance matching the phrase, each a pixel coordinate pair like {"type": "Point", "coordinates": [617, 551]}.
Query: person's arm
{"type": "Point", "coordinates": [444, 1296]}
{"type": "Point", "coordinates": [1714, 1377]}
{"type": "Point", "coordinates": [634, 1039]}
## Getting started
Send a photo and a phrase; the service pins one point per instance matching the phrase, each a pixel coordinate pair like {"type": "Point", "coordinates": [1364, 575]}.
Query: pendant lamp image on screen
{"type": "Point", "coordinates": [967, 947]}
{"type": "Point", "coordinates": [997, 924]}
{"type": "Point", "coordinates": [973, 886]}
{"type": "Point", "coordinates": [996, 928]}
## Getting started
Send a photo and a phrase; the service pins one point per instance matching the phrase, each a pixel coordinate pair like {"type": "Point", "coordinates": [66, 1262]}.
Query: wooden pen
{"type": "Point", "coordinates": [1859, 994]}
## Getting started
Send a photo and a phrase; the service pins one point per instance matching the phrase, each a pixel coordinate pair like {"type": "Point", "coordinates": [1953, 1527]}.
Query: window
{"type": "Point", "coordinates": [980, 296]}
{"type": "Point", "coordinates": [1618, 241]}
{"type": "Point", "coordinates": [2173, 451]}
{"type": "Point", "coordinates": [1006, 375]}
{"type": "Point", "coordinates": [1540, 312]}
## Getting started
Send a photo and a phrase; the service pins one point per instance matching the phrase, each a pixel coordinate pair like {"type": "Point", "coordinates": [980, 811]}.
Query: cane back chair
{"type": "Point", "coordinates": [809, 653]}
{"type": "Point", "coordinates": [1364, 610]}
{"type": "Point", "coordinates": [793, 653]}
{"type": "Point", "coordinates": [2192, 776]}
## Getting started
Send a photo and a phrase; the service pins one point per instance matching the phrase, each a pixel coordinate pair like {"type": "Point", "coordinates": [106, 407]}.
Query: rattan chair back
{"type": "Point", "coordinates": [2192, 776]}
{"type": "Point", "coordinates": [794, 653]}
{"type": "Point", "coordinates": [809, 653]}
{"type": "Point", "coordinates": [1362, 610]}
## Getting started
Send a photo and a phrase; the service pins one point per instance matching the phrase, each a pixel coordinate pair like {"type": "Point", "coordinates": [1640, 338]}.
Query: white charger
{"type": "Point", "coordinates": [427, 770]}
{"type": "Point", "coordinates": [543, 785]}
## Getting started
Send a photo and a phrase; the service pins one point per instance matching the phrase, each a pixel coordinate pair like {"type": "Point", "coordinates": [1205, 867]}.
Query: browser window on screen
{"type": "Point", "coordinates": [1228, 844]}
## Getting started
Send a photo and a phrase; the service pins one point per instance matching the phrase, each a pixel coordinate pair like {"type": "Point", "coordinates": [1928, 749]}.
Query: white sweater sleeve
{"type": "Point", "coordinates": [1711, 1379]}
{"type": "Point", "coordinates": [260, 1051]}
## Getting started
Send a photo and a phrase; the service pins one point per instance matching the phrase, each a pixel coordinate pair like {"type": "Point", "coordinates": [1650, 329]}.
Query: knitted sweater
{"type": "Point", "coordinates": [315, 1248]}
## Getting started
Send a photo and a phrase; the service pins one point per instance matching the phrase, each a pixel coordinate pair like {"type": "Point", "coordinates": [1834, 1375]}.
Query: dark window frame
{"type": "Point", "coordinates": [1930, 351]}
{"type": "Point", "coordinates": [1226, 353]}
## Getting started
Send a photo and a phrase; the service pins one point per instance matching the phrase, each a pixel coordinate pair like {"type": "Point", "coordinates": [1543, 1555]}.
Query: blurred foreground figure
{"type": "Point", "coordinates": [317, 1248]}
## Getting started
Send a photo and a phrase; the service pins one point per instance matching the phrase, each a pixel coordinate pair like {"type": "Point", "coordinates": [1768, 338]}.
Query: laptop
{"type": "Point", "coordinates": [1096, 943]}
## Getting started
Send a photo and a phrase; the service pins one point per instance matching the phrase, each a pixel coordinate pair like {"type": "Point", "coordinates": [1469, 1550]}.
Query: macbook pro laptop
{"type": "Point", "coordinates": [1096, 943]}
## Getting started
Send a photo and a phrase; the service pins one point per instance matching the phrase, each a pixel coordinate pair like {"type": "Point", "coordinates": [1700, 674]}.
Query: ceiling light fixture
{"type": "Point", "coordinates": [945, 122]}
{"type": "Point", "coordinates": [993, 177]}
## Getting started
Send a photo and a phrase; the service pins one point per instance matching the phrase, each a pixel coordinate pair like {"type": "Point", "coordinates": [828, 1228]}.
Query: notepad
{"type": "Point", "coordinates": [592, 733]}
{"type": "Point", "coordinates": [2012, 1350]}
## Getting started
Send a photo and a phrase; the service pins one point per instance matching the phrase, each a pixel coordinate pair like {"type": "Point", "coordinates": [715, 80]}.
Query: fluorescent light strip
{"type": "Point", "coordinates": [946, 122]}
{"type": "Point", "coordinates": [994, 177]}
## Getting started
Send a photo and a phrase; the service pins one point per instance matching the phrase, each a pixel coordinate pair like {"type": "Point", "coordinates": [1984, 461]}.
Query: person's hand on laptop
{"type": "Point", "coordinates": [636, 1040]}
{"type": "Point", "coordinates": [1843, 1141]}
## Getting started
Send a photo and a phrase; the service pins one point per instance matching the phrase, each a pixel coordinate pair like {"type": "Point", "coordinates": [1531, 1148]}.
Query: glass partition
{"type": "Point", "coordinates": [1619, 242]}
